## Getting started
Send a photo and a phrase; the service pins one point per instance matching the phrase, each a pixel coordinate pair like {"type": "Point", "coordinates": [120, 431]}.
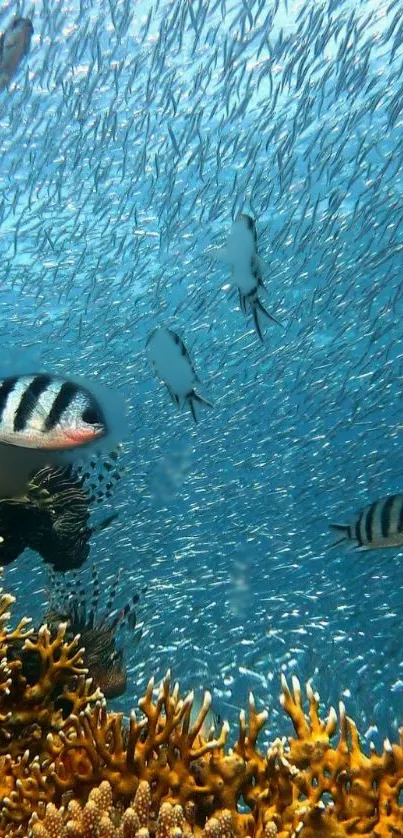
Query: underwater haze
{"type": "Point", "coordinates": [131, 136]}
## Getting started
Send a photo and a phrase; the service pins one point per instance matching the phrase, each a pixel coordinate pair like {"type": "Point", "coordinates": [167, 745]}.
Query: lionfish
{"type": "Point", "coordinates": [100, 630]}
{"type": "Point", "coordinates": [52, 518]}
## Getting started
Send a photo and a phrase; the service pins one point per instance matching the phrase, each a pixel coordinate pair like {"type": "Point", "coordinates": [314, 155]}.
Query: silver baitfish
{"type": "Point", "coordinates": [14, 44]}
{"type": "Point", "coordinates": [171, 363]}
{"type": "Point", "coordinates": [377, 526]}
{"type": "Point", "coordinates": [247, 268]}
{"type": "Point", "coordinates": [45, 419]}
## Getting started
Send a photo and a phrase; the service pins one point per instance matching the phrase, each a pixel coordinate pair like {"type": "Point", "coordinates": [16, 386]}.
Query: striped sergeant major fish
{"type": "Point", "coordinates": [14, 44]}
{"type": "Point", "coordinates": [171, 363]}
{"type": "Point", "coordinates": [377, 526]}
{"type": "Point", "coordinates": [47, 419]}
{"type": "Point", "coordinates": [247, 268]}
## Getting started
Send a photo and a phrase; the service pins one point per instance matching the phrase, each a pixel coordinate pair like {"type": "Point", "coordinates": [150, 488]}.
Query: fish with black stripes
{"type": "Point", "coordinates": [247, 268]}
{"type": "Point", "coordinates": [14, 45]}
{"type": "Point", "coordinates": [47, 419]}
{"type": "Point", "coordinates": [171, 363]}
{"type": "Point", "coordinates": [377, 526]}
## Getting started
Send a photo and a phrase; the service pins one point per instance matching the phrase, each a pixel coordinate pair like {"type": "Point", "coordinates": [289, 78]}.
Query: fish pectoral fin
{"type": "Point", "coordinates": [242, 302]}
{"type": "Point", "coordinates": [201, 400]}
{"type": "Point", "coordinates": [193, 398]}
{"type": "Point", "coordinates": [174, 397]}
{"type": "Point", "coordinates": [192, 408]}
{"type": "Point", "coordinates": [257, 324]}
{"type": "Point", "coordinates": [264, 311]}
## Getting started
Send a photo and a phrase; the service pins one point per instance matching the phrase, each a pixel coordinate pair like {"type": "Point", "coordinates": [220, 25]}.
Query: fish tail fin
{"type": "Point", "coordinates": [242, 302]}
{"type": "Point", "coordinates": [192, 409]}
{"type": "Point", "coordinates": [340, 528]}
{"type": "Point", "coordinates": [267, 314]}
{"type": "Point", "coordinates": [257, 324]}
{"type": "Point", "coordinates": [194, 397]}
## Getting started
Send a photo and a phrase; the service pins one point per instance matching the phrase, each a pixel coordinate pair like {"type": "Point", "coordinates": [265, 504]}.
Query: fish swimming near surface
{"type": "Point", "coordinates": [377, 526]}
{"type": "Point", "coordinates": [171, 363]}
{"type": "Point", "coordinates": [14, 44]}
{"type": "Point", "coordinates": [47, 419]}
{"type": "Point", "coordinates": [241, 254]}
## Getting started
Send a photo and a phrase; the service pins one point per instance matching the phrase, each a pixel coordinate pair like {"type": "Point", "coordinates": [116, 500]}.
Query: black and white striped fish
{"type": "Point", "coordinates": [377, 526]}
{"type": "Point", "coordinates": [14, 44]}
{"type": "Point", "coordinates": [171, 363]}
{"type": "Point", "coordinates": [45, 419]}
{"type": "Point", "coordinates": [247, 268]}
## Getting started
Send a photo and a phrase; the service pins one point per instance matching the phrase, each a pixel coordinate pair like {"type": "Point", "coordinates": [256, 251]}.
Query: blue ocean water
{"type": "Point", "coordinates": [130, 137]}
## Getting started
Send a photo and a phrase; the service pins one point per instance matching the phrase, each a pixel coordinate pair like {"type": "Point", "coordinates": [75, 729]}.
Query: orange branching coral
{"type": "Point", "coordinates": [161, 748]}
{"type": "Point", "coordinates": [31, 709]}
{"type": "Point", "coordinates": [162, 776]}
{"type": "Point", "coordinates": [314, 789]}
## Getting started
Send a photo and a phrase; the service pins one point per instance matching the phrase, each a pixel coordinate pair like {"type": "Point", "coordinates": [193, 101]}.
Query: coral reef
{"type": "Point", "coordinates": [91, 775]}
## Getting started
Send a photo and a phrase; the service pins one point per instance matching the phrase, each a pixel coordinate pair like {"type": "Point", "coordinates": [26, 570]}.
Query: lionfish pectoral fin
{"type": "Point", "coordinates": [137, 636]}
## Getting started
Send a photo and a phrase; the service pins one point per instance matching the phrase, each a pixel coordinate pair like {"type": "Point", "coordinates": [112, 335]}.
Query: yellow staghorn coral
{"type": "Point", "coordinates": [161, 776]}
{"type": "Point", "coordinates": [31, 709]}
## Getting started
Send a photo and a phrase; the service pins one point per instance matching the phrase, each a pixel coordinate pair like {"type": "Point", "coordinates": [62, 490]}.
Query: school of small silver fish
{"type": "Point", "coordinates": [231, 174]}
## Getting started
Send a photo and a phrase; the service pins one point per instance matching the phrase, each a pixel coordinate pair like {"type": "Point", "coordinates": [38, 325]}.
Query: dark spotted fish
{"type": "Point", "coordinates": [171, 363]}
{"type": "Point", "coordinates": [14, 45]}
{"type": "Point", "coordinates": [47, 419]}
{"type": "Point", "coordinates": [377, 526]}
{"type": "Point", "coordinates": [247, 267]}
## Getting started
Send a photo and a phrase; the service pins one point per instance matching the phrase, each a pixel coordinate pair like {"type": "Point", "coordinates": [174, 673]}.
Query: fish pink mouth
{"type": "Point", "coordinates": [73, 438]}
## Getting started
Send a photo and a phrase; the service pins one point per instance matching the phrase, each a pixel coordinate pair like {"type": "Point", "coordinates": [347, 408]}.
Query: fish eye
{"type": "Point", "coordinates": [16, 22]}
{"type": "Point", "coordinates": [91, 416]}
